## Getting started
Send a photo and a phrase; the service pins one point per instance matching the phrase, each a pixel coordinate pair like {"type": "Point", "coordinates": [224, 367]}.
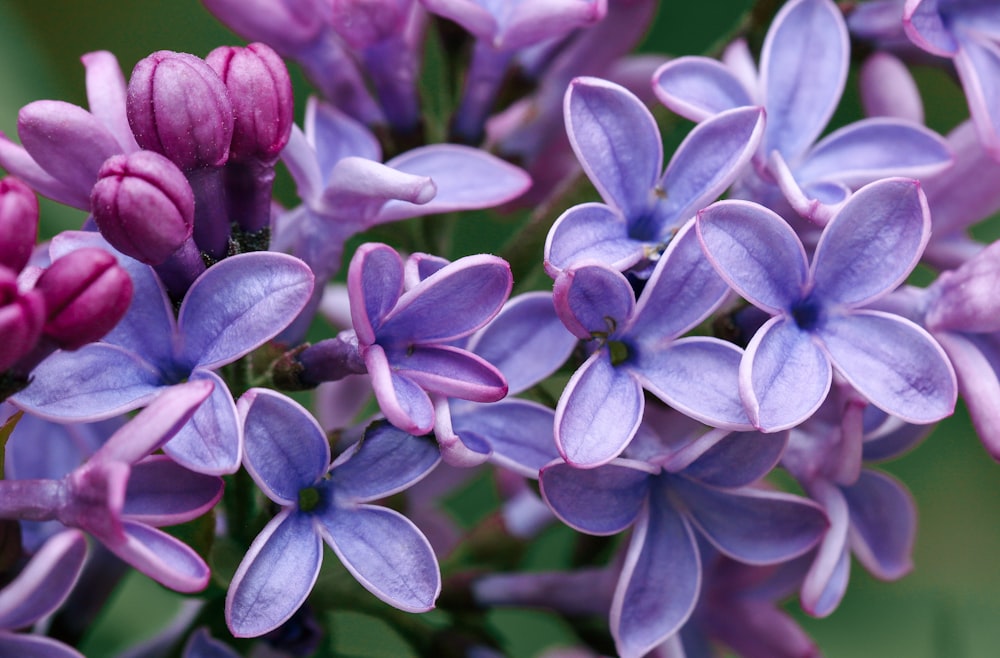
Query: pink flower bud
{"type": "Point", "coordinates": [86, 293]}
{"type": "Point", "coordinates": [143, 205]}
{"type": "Point", "coordinates": [18, 223]}
{"type": "Point", "coordinates": [179, 107]}
{"type": "Point", "coordinates": [21, 318]}
{"type": "Point", "coordinates": [261, 94]}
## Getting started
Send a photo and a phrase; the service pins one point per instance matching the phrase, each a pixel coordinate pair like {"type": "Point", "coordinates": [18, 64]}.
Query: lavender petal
{"type": "Point", "coordinates": [598, 501]}
{"type": "Point", "coordinates": [698, 87]}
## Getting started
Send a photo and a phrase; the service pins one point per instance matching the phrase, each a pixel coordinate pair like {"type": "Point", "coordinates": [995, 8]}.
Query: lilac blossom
{"type": "Point", "coordinates": [37, 591]}
{"type": "Point", "coordinates": [18, 223]}
{"type": "Point", "coordinates": [336, 164]}
{"type": "Point", "coordinates": [123, 493]}
{"type": "Point", "coordinates": [233, 308]}
{"type": "Point", "coordinates": [638, 345]}
{"type": "Point", "coordinates": [288, 457]}
{"type": "Point", "coordinates": [404, 335]}
{"type": "Point", "coordinates": [803, 67]}
{"type": "Point", "coordinates": [710, 497]}
{"type": "Point", "coordinates": [819, 321]}
{"type": "Point", "coordinates": [64, 145]}
{"type": "Point", "coordinates": [616, 140]}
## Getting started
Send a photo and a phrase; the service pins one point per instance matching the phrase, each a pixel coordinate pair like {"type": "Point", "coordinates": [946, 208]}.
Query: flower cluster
{"type": "Point", "coordinates": [706, 355]}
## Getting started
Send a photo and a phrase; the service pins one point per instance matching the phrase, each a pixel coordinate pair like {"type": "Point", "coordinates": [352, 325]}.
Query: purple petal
{"type": "Point", "coordinates": [740, 459]}
{"type": "Point", "coordinates": [883, 524]}
{"type": "Point", "coordinates": [709, 159]}
{"type": "Point", "coordinates": [285, 449]}
{"type": "Point", "coordinates": [978, 63]}
{"type": "Point", "coordinates": [598, 501]}
{"type": "Point", "coordinates": [888, 89]}
{"type": "Point", "coordinates": [526, 341]}
{"type": "Point", "coordinates": [826, 581]}
{"type": "Point", "coordinates": [817, 201]}
{"type": "Point", "coordinates": [698, 376]}
{"type": "Point", "coordinates": [660, 580]}
{"type": "Point", "coordinates": [873, 243]}
{"type": "Point", "coordinates": [357, 189]}
{"type": "Point", "coordinates": [803, 67]}
{"type": "Point", "coordinates": [97, 381]}
{"type": "Point", "coordinates": [335, 136]}
{"type": "Point", "coordinates": [755, 251]}
{"type": "Point", "coordinates": [466, 178]}
{"type": "Point", "coordinates": [699, 87]}
{"type": "Point", "coordinates": [202, 645]}
{"type": "Point", "coordinates": [598, 412]}
{"type": "Point", "coordinates": [964, 300]}
{"type": "Point", "coordinates": [894, 363]}
{"type": "Point", "coordinates": [752, 525]}
{"type": "Point", "coordinates": [163, 558]}
{"type": "Point", "coordinates": [682, 291]}
{"type": "Point", "coordinates": [239, 304]}
{"type": "Point", "coordinates": [403, 403]}
{"type": "Point", "coordinates": [975, 360]}
{"type": "Point", "coordinates": [34, 646]}
{"type": "Point", "coordinates": [160, 492]}
{"type": "Point", "coordinates": [590, 231]}
{"type": "Point", "coordinates": [374, 284]}
{"type": "Point", "coordinates": [106, 92]}
{"type": "Point", "coordinates": [45, 581]}
{"type": "Point", "coordinates": [593, 300]}
{"type": "Point", "coordinates": [212, 442]}
{"type": "Point", "coordinates": [386, 553]}
{"type": "Point", "coordinates": [451, 303]}
{"type": "Point", "coordinates": [451, 372]}
{"type": "Point", "coordinates": [784, 376]}
{"type": "Point", "coordinates": [871, 149]}
{"type": "Point", "coordinates": [275, 576]}
{"type": "Point", "coordinates": [616, 140]}
{"type": "Point", "coordinates": [520, 433]}
{"type": "Point", "coordinates": [386, 460]}
{"type": "Point", "coordinates": [926, 27]}
{"type": "Point", "coordinates": [301, 160]}
{"type": "Point", "coordinates": [19, 163]}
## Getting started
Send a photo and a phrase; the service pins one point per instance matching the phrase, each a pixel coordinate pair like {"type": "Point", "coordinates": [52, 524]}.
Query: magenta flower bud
{"type": "Point", "coordinates": [86, 293]}
{"type": "Point", "coordinates": [179, 107]}
{"type": "Point", "coordinates": [143, 205]}
{"type": "Point", "coordinates": [261, 95]}
{"type": "Point", "coordinates": [21, 318]}
{"type": "Point", "coordinates": [18, 223]}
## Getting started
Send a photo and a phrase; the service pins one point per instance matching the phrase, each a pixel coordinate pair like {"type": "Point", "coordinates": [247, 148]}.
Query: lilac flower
{"type": "Point", "coordinates": [236, 306]}
{"type": "Point", "coordinates": [638, 345]}
{"type": "Point", "coordinates": [803, 67]}
{"type": "Point", "coordinates": [345, 189]}
{"type": "Point", "coordinates": [819, 321]}
{"type": "Point", "coordinates": [661, 578]}
{"type": "Point", "coordinates": [404, 337]}
{"type": "Point", "coordinates": [122, 493]}
{"type": "Point", "coordinates": [18, 223]}
{"type": "Point", "coordinates": [617, 142]}
{"type": "Point", "coordinates": [288, 457]}
{"type": "Point", "coordinates": [37, 591]}
{"type": "Point", "coordinates": [64, 145]}
{"type": "Point", "coordinates": [22, 316]}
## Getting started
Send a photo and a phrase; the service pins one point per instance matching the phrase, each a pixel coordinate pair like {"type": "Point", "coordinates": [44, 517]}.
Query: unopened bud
{"type": "Point", "coordinates": [18, 223]}
{"type": "Point", "coordinates": [143, 206]}
{"type": "Point", "coordinates": [21, 318]}
{"type": "Point", "coordinates": [86, 293]}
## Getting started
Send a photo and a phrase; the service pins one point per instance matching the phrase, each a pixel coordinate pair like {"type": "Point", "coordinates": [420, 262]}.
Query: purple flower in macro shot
{"type": "Point", "coordinates": [616, 140]}
{"type": "Point", "coordinates": [64, 145]}
{"type": "Point", "coordinates": [638, 345]}
{"type": "Point", "coordinates": [404, 335]}
{"type": "Point", "coordinates": [803, 68]}
{"type": "Point", "coordinates": [18, 223]}
{"type": "Point", "coordinates": [818, 318]}
{"type": "Point", "coordinates": [233, 308]}
{"type": "Point", "coordinates": [288, 457]}
{"type": "Point", "coordinates": [710, 498]}
{"type": "Point", "coordinates": [123, 493]}
{"type": "Point", "coordinates": [37, 591]}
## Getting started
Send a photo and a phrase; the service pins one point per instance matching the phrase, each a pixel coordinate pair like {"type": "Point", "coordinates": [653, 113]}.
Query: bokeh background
{"type": "Point", "coordinates": [948, 607]}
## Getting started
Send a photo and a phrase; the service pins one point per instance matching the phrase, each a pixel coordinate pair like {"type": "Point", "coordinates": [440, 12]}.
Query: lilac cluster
{"type": "Point", "coordinates": [710, 329]}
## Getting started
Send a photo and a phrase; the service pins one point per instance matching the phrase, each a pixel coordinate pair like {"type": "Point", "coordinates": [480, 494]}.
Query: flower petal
{"type": "Point", "coordinates": [212, 441]}
{"type": "Point", "coordinates": [275, 576]}
{"type": "Point", "coordinates": [160, 492]}
{"type": "Point", "coordinates": [386, 553]}
{"type": "Point", "coordinates": [977, 362]}
{"type": "Point", "coordinates": [385, 461]}
{"type": "Point", "coordinates": [403, 403]}
{"type": "Point", "coordinates": [883, 524]}
{"type": "Point", "coordinates": [739, 459]}
{"type": "Point", "coordinates": [698, 87]}
{"type": "Point", "coordinates": [520, 433]}
{"type": "Point", "coordinates": [374, 284]}
{"type": "Point", "coordinates": [593, 300]}
{"type": "Point", "coordinates": [978, 62]}
{"type": "Point", "coordinates": [826, 581]}
{"type": "Point", "coordinates": [590, 231]}
{"type": "Point", "coordinates": [599, 501]}
{"type": "Point", "coordinates": [45, 581]}
{"type": "Point", "coordinates": [106, 96]}
{"type": "Point", "coordinates": [165, 559]}
{"type": "Point", "coordinates": [23, 645]}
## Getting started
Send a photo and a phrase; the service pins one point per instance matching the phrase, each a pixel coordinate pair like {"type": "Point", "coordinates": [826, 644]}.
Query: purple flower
{"type": "Point", "coordinates": [18, 223]}
{"type": "Point", "coordinates": [617, 142]}
{"type": "Point", "coordinates": [65, 145]}
{"type": "Point", "coordinates": [123, 493]}
{"type": "Point", "coordinates": [404, 335]}
{"type": "Point", "coordinates": [803, 67]}
{"type": "Point", "coordinates": [288, 456]}
{"type": "Point", "coordinates": [661, 577]}
{"type": "Point", "coordinates": [235, 307]}
{"type": "Point", "coordinates": [818, 317]}
{"type": "Point", "coordinates": [638, 345]}
{"type": "Point", "coordinates": [22, 316]}
{"type": "Point", "coordinates": [36, 592]}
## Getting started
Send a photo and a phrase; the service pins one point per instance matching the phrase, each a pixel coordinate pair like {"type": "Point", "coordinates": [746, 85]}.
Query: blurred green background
{"type": "Point", "coordinates": [947, 608]}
